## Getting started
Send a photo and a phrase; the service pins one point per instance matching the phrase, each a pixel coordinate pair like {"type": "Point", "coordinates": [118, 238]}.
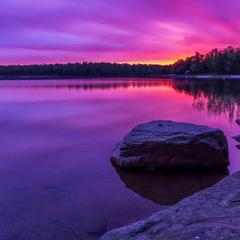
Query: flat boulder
{"type": "Point", "coordinates": [211, 214]}
{"type": "Point", "coordinates": [172, 145]}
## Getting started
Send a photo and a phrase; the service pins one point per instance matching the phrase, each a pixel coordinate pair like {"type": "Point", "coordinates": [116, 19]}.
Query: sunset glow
{"type": "Point", "coordinates": [136, 31]}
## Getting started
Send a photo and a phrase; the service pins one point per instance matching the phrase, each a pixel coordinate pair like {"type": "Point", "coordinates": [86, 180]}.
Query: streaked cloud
{"type": "Point", "coordinates": [112, 30]}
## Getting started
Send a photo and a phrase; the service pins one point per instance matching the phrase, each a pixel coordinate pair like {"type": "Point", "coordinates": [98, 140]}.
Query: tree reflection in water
{"type": "Point", "coordinates": [214, 97]}
{"type": "Point", "coordinates": [217, 98]}
{"type": "Point", "coordinates": [220, 98]}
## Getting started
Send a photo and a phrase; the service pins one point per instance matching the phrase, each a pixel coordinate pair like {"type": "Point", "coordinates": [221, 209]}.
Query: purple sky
{"type": "Point", "coordinates": [152, 31]}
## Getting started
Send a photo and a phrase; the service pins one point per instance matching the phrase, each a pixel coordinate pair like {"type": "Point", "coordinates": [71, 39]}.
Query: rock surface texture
{"type": "Point", "coordinates": [212, 214]}
{"type": "Point", "coordinates": [172, 145]}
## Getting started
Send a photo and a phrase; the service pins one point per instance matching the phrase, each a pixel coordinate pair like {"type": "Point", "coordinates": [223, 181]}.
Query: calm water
{"type": "Point", "coordinates": [56, 178]}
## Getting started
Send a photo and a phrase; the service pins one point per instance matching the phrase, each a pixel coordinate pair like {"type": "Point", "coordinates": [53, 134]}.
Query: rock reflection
{"type": "Point", "coordinates": [169, 187]}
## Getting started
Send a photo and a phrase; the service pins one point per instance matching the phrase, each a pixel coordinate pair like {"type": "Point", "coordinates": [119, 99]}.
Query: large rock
{"type": "Point", "coordinates": [171, 144]}
{"type": "Point", "coordinates": [211, 214]}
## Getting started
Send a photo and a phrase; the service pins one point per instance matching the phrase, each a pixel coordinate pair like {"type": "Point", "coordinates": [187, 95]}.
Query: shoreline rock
{"type": "Point", "coordinates": [167, 144]}
{"type": "Point", "coordinates": [210, 214]}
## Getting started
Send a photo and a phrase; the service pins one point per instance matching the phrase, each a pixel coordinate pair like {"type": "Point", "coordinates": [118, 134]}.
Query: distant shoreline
{"type": "Point", "coordinates": [173, 76]}
{"type": "Point", "coordinates": [207, 76]}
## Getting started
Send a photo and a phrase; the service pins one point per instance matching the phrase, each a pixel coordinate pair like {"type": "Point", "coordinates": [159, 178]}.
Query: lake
{"type": "Point", "coordinates": [56, 177]}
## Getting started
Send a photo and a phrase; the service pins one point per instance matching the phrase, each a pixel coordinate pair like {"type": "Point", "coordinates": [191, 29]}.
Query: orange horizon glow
{"type": "Point", "coordinates": [160, 62]}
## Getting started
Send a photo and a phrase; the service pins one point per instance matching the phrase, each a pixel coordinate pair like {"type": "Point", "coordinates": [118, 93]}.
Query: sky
{"type": "Point", "coordinates": [133, 31]}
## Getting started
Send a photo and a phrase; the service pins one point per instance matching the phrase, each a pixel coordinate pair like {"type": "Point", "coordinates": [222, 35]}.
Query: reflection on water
{"type": "Point", "coordinates": [169, 187]}
{"type": "Point", "coordinates": [56, 179]}
{"type": "Point", "coordinates": [88, 85]}
{"type": "Point", "coordinates": [212, 97]}
{"type": "Point", "coordinates": [216, 98]}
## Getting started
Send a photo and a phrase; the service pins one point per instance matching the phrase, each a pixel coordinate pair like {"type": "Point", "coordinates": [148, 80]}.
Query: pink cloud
{"type": "Point", "coordinates": [113, 30]}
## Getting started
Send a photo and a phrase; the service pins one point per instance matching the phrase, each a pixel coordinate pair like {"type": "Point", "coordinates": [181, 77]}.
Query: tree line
{"type": "Point", "coordinates": [226, 61]}
{"type": "Point", "coordinates": [85, 70]}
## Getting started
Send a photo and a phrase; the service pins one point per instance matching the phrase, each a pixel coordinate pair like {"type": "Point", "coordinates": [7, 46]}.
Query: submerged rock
{"type": "Point", "coordinates": [171, 144]}
{"type": "Point", "coordinates": [169, 187]}
{"type": "Point", "coordinates": [211, 214]}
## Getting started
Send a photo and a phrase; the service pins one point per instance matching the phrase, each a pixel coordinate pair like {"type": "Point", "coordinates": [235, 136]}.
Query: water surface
{"type": "Point", "coordinates": [56, 179]}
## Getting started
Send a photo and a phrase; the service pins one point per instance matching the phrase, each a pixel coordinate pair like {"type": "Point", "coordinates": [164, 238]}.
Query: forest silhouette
{"type": "Point", "coordinates": [226, 61]}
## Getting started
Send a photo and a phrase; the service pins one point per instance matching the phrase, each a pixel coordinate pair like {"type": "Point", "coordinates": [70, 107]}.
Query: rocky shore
{"type": "Point", "coordinates": [211, 214]}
